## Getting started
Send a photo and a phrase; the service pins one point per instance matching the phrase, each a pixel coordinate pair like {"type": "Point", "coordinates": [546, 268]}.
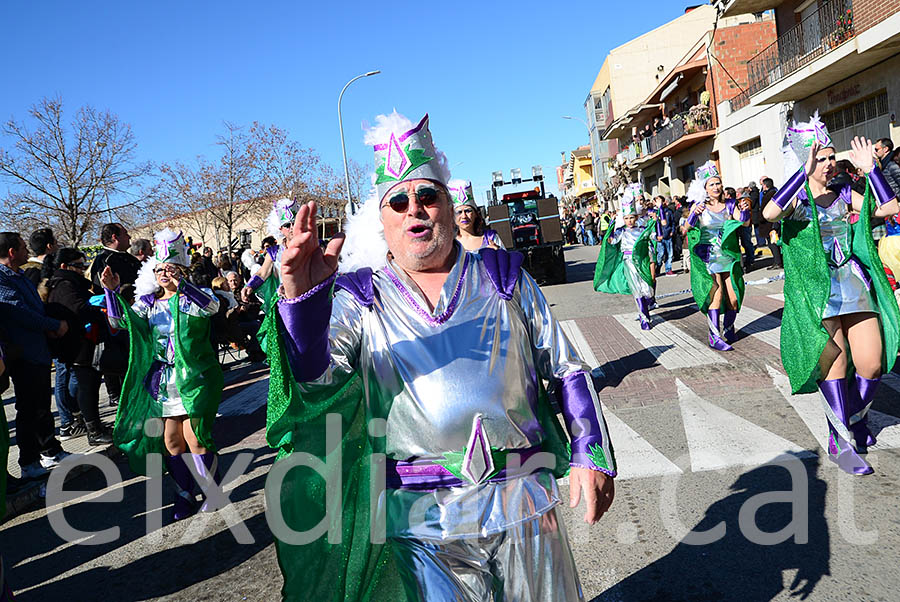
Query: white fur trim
{"type": "Point", "coordinates": [146, 281]}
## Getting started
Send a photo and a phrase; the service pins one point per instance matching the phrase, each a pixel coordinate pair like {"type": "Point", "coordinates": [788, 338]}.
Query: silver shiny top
{"type": "Point", "coordinates": [428, 373]}
{"type": "Point", "coordinates": [712, 224]}
{"type": "Point", "coordinates": [833, 225]}
{"type": "Point", "coordinates": [627, 237]}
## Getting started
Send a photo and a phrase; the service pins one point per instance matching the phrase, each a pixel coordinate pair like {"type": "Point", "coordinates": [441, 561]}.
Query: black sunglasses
{"type": "Point", "coordinates": [828, 158]}
{"type": "Point", "coordinates": [399, 202]}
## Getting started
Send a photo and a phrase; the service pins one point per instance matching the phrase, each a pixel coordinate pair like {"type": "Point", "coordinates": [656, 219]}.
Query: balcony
{"type": "Point", "coordinates": [818, 34]}
{"type": "Point", "coordinates": [684, 130]}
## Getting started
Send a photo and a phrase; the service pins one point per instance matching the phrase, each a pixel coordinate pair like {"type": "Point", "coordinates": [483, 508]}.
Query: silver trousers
{"type": "Point", "coordinates": [529, 562]}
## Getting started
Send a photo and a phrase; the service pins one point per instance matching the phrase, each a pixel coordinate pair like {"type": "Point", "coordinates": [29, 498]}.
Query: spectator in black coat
{"type": "Point", "coordinates": [42, 244]}
{"type": "Point", "coordinates": [767, 229]}
{"type": "Point", "coordinates": [69, 299]}
{"type": "Point", "coordinates": [884, 152]}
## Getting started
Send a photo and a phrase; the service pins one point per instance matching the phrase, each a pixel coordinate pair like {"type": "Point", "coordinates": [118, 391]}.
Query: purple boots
{"type": "Point", "coordinates": [643, 305]}
{"type": "Point", "coordinates": [728, 325]}
{"type": "Point", "coordinates": [859, 415]}
{"type": "Point", "coordinates": [839, 449]}
{"type": "Point", "coordinates": [206, 468]}
{"type": "Point", "coordinates": [715, 338]}
{"type": "Point", "coordinates": [185, 502]}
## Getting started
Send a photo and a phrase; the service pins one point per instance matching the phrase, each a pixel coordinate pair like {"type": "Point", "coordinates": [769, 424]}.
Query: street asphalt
{"type": "Point", "coordinates": [724, 492]}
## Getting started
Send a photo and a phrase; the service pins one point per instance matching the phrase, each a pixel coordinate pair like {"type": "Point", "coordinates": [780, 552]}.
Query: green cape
{"type": "Point", "coordinates": [355, 569]}
{"type": "Point", "coordinates": [609, 275]}
{"type": "Point", "coordinates": [702, 282]}
{"type": "Point", "coordinates": [198, 378]}
{"type": "Point", "coordinates": [807, 286]}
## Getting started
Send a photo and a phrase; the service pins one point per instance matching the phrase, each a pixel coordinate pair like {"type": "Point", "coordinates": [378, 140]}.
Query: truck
{"type": "Point", "coordinates": [528, 222]}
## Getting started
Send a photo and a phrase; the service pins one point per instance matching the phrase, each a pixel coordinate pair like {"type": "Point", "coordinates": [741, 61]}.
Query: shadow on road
{"type": "Point", "coordinates": [580, 271]}
{"type": "Point", "coordinates": [611, 373]}
{"type": "Point", "coordinates": [734, 567]}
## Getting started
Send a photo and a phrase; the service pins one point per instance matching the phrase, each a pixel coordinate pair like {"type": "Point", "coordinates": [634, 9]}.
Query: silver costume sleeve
{"type": "Point", "coordinates": [558, 362]}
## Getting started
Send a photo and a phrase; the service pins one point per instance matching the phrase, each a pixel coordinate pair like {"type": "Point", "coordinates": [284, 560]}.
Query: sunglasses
{"type": "Point", "coordinates": [78, 266]}
{"type": "Point", "coordinates": [399, 202]}
{"type": "Point", "coordinates": [831, 157]}
{"type": "Point", "coordinates": [169, 271]}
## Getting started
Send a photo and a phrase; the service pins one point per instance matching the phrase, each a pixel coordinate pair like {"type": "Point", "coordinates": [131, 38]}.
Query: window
{"type": "Point", "coordinates": [687, 172]}
{"type": "Point", "coordinates": [868, 117]}
{"type": "Point", "coordinates": [857, 113]}
{"type": "Point", "coordinates": [749, 148]}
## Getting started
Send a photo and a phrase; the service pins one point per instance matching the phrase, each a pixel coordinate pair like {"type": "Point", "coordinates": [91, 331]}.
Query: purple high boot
{"type": "Point", "coordinates": [862, 397]}
{"type": "Point", "coordinates": [715, 339]}
{"type": "Point", "coordinates": [728, 325]}
{"type": "Point", "coordinates": [839, 449]}
{"type": "Point", "coordinates": [207, 466]}
{"type": "Point", "coordinates": [643, 305]}
{"type": "Point", "coordinates": [185, 502]}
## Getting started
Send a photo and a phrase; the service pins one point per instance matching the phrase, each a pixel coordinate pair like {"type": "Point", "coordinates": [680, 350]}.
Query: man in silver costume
{"type": "Point", "coordinates": [453, 348]}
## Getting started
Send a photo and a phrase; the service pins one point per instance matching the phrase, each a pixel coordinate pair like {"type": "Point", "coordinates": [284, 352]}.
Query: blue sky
{"type": "Point", "coordinates": [496, 77]}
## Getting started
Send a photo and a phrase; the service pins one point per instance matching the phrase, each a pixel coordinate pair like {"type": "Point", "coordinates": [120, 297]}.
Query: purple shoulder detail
{"type": "Point", "coordinates": [148, 299]}
{"type": "Point", "coordinates": [359, 284]}
{"type": "Point", "coordinates": [272, 252]}
{"type": "Point", "coordinates": [503, 269]}
{"type": "Point", "coordinates": [847, 194]}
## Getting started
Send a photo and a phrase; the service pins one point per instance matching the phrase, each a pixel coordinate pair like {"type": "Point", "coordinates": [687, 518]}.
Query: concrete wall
{"type": "Point", "coordinates": [853, 89]}
{"type": "Point", "coordinates": [698, 155]}
{"type": "Point", "coordinates": [764, 122]}
{"type": "Point", "coordinates": [634, 66]}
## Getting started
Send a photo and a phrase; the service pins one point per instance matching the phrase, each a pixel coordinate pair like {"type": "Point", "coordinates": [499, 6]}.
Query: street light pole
{"type": "Point", "coordinates": [341, 126]}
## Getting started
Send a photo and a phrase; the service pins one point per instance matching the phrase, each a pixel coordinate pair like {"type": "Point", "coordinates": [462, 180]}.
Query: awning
{"type": "Point", "coordinates": [671, 87]}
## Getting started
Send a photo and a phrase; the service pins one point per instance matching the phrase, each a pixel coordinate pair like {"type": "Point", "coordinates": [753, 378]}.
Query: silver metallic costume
{"type": "Point", "coordinates": [162, 328]}
{"type": "Point", "coordinates": [850, 285]}
{"type": "Point", "coordinates": [459, 386]}
{"type": "Point", "coordinates": [628, 237]}
{"type": "Point", "coordinates": [712, 226]}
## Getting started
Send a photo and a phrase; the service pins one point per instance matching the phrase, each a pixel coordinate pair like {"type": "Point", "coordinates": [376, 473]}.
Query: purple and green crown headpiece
{"type": "Point", "coordinates": [170, 247]}
{"type": "Point", "coordinates": [802, 136]}
{"type": "Point", "coordinates": [405, 156]}
{"type": "Point", "coordinates": [706, 171]}
{"type": "Point", "coordinates": [627, 204]}
{"type": "Point", "coordinates": [461, 192]}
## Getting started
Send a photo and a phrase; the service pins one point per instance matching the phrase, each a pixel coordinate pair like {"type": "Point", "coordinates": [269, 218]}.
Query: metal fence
{"type": "Point", "coordinates": [814, 36]}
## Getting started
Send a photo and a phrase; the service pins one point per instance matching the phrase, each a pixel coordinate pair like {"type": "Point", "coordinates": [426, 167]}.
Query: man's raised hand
{"type": "Point", "coordinates": [303, 263]}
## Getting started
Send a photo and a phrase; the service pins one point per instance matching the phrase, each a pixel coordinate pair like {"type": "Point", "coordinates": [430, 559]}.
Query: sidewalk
{"type": "Point", "coordinates": [238, 373]}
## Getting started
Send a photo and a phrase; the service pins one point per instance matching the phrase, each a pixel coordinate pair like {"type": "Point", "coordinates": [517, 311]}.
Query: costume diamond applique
{"type": "Point", "coordinates": [478, 463]}
{"type": "Point", "coordinates": [597, 456]}
{"type": "Point", "coordinates": [397, 160]}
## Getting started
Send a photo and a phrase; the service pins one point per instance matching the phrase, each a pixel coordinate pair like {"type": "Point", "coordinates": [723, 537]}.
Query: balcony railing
{"type": "Point", "coordinates": [814, 36]}
{"type": "Point", "coordinates": [740, 101]}
{"type": "Point", "coordinates": [698, 119]}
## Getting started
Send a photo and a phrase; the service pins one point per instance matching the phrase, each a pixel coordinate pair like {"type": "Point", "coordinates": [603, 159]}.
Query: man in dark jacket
{"type": "Point", "coordinates": [42, 244]}
{"type": "Point", "coordinates": [884, 151]}
{"type": "Point", "coordinates": [114, 360]}
{"type": "Point", "coordinates": [69, 298]}
{"type": "Point", "coordinates": [589, 231]}
{"type": "Point", "coordinates": [28, 359]}
{"type": "Point", "coordinates": [664, 231]}
{"type": "Point", "coordinates": [767, 229]}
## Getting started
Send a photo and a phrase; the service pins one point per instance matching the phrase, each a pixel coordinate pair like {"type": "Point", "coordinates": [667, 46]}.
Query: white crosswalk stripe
{"type": "Point", "coordinates": [719, 439]}
{"type": "Point", "coordinates": [576, 337]}
{"type": "Point", "coordinates": [672, 347]}
{"type": "Point", "coordinates": [809, 408]}
{"type": "Point", "coordinates": [762, 326]}
{"type": "Point", "coordinates": [636, 458]}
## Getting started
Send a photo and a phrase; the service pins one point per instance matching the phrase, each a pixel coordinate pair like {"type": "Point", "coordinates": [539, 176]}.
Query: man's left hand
{"type": "Point", "coordinates": [599, 490]}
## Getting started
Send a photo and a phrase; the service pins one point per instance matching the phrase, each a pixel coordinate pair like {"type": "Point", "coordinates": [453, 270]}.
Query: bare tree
{"type": "Point", "coordinates": [63, 176]}
{"type": "Point", "coordinates": [181, 195]}
{"type": "Point", "coordinates": [233, 184]}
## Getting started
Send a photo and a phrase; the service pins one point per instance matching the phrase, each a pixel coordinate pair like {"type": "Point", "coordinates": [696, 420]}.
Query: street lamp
{"type": "Point", "coordinates": [341, 127]}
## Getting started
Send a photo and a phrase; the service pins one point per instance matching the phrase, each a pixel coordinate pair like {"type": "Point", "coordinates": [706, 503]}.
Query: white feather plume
{"type": "Point", "coordinates": [146, 281]}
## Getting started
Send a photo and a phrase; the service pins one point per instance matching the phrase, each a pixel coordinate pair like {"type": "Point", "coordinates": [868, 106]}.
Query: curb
{"type": "Point", "coordinates": [25, 498]}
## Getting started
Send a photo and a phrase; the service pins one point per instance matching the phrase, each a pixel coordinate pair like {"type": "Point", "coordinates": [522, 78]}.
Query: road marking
{"type": "Point", "coordinates": [719, 439]}
{"type": "Point", "coordinates": [762, 326]}
{"type": "Point", "coordinates": [777, 297]}
{"type": "Point", "coordinates": [809, 407]}
{"type": "Point", "coordinates": [576, 337]}
{"type": "Point", "coordinates": [638, 458]}
{"type": "Point", "coordinates": [245, 401]}
{"type": "Point", "coordinates": [670, 345]}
